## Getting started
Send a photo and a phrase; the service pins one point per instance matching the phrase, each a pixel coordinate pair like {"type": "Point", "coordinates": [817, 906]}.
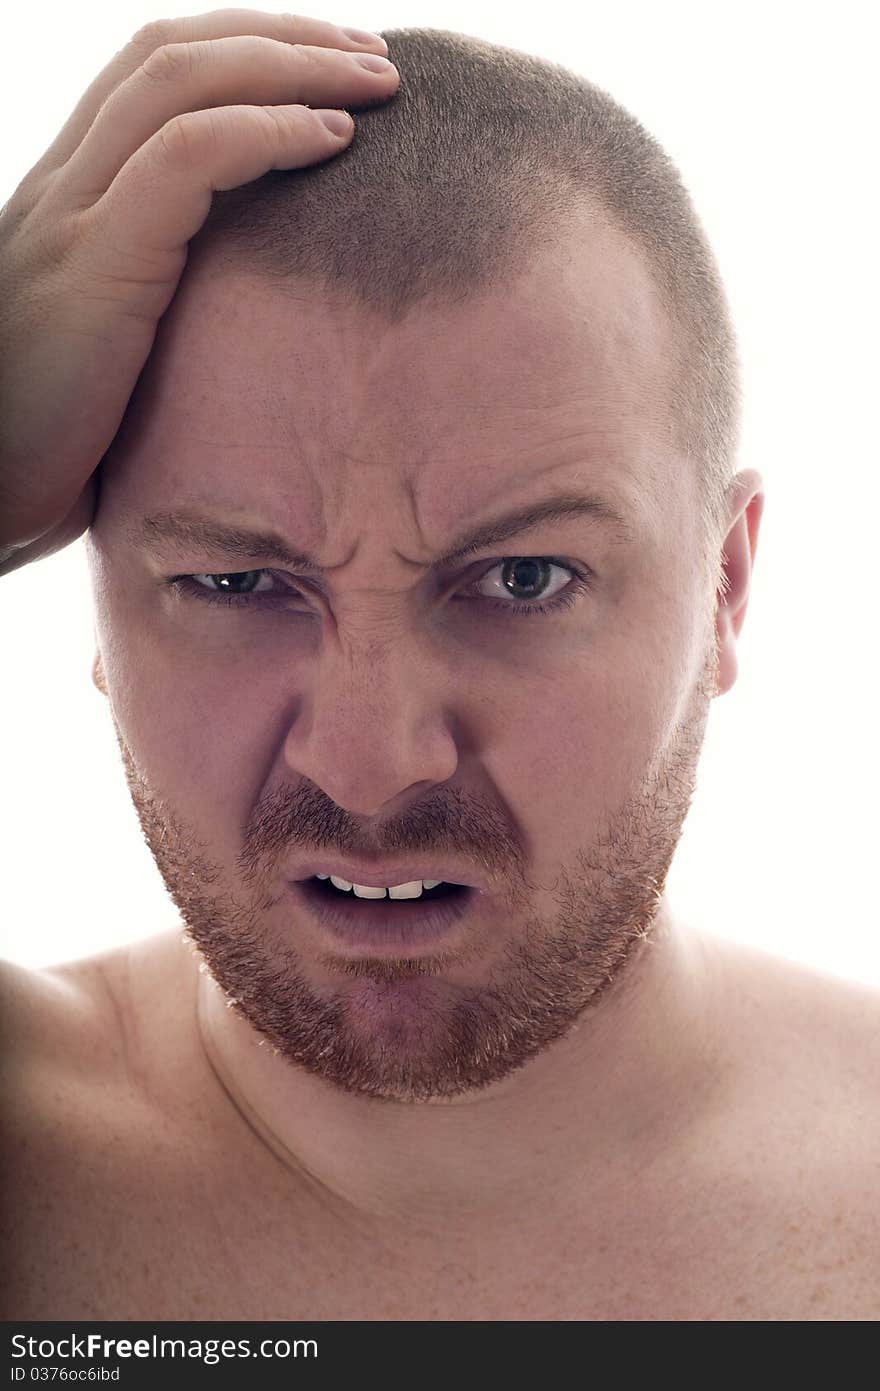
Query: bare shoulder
{"type": "Point", "coordinates": [61, 1052]}
{"type": "Point", "coordinates": [799, 1156]}
{"type": "Point", "coordinates": [818, 1033]}
{"type": "Point", "coordinates": [84, 1147]}
{"type": "Point", "coordinates": [91, 1026]}
{"type": "Point", "coordinates": [52, 1016]}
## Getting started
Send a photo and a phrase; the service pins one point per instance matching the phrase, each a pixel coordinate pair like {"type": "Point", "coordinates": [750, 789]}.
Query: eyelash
{"type": "Point", "coordinates": [567, 597]}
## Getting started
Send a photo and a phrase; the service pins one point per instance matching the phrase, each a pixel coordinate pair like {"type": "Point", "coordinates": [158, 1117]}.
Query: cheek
{"type": "Point", "coordinates": [615, 710]}
{"type": "Point", "coordinates": [592, 739]}
{"type": "Point", "coordinates": [199, 729]}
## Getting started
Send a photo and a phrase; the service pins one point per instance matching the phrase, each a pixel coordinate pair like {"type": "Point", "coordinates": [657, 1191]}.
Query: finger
{"type": "Point", "coordinates": [57, 537]}
{"type": "Point", "coordinates": [214, 24]}
{"type": "Point", "coordinates": [162, 195]}
{"type": "Point", "coordinates": [197, 76]}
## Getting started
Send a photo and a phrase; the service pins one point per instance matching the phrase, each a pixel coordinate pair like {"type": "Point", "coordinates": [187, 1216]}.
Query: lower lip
{"type": "Point", "coordinates": [402, 927]}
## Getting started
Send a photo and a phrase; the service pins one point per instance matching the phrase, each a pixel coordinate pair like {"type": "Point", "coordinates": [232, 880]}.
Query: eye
{"type": "Point", "coordinates": [233, 585]}
{"type": "Point", "coordinates": [524, 578]}
{"type": "Point", "coordinates": [530, 574]}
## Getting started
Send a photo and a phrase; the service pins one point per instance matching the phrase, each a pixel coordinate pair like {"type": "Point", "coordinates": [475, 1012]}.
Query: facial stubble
{"type": "Point", "coordinates": [399, 1030]}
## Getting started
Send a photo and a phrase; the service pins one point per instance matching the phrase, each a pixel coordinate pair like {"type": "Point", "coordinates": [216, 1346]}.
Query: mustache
{"type": "Point", "coordinates": [300, 821]}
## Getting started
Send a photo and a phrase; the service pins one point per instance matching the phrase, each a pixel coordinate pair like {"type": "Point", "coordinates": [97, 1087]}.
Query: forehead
{"type": "Point", "coordinates": [265, 383]}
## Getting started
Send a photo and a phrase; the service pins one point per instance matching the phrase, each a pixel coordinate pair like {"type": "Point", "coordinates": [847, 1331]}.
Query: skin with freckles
{"type": "Point", "coordinates": [562, 1110]}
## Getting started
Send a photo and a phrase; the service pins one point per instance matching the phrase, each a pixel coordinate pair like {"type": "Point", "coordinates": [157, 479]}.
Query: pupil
{"type": "Point", "coordinates": [531, 566]}
{"type": "Point", "coordinates": [242, 582]}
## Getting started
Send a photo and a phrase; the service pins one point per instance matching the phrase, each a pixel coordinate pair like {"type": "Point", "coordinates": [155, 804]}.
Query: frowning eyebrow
{"type": "Point", "coordinates": [209, 537]}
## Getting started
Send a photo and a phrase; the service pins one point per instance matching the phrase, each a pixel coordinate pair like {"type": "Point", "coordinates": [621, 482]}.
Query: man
{"type": "Point", "coordinates": [391, 592]}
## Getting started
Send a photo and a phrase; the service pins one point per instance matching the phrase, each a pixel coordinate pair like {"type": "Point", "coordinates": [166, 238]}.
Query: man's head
{"type": "Point", "coordinates": [387, 705]}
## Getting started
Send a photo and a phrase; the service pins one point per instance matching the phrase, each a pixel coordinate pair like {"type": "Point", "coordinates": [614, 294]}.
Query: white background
{"type": "Point", "coordinates": [769, 111]}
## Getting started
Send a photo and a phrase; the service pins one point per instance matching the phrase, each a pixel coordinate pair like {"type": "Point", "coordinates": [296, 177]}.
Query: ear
{"type": "Point", "coordinates": [98, 674]}
{"type": "Point", "coordinates": [746, 494]}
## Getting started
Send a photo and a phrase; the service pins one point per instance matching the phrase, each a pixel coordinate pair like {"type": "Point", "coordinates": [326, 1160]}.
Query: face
{"type": "Point", "coordinates": [388, 706]}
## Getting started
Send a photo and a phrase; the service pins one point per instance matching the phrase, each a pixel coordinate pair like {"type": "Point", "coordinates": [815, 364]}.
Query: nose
{"type": "Point", "coordinates": [370, 741]}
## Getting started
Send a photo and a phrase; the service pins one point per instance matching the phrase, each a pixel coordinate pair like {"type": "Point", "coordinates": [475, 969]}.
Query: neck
{"type": "Point", "coordinates": [635, 1075]}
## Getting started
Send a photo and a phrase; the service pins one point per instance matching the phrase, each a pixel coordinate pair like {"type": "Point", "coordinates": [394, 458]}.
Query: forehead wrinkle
{"type": "Point", "coordinates": [212, 536]}
{"type": "Point", "coordinates": [162, 530]}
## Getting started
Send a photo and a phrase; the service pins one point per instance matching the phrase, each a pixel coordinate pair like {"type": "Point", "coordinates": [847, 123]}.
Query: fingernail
{"type": "Point", "coordinates": [361, 36]}
{"type": "Point", "coordinates": [372, 62]}
{"type": "Point", "coordinates": [339, 122]}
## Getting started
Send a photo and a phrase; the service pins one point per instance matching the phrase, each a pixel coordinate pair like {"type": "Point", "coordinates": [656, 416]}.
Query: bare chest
{"type": "Point", "coordinates": [122, 1217]}
{"type": "Point", "coordinates": [151, 1245]}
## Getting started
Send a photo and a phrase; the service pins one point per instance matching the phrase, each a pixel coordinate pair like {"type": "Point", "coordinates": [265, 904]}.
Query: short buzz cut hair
{"type": "Point", "coordinates": [481, 157]}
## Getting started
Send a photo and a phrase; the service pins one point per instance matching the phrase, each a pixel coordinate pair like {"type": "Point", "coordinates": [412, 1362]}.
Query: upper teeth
{"type": "Point", "coordinates": [412, 889]}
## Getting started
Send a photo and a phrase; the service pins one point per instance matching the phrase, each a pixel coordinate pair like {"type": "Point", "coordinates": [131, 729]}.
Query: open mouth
{"type": "Point", "coordinates": [386, 922]}
{"type": "Point", "coordinates": [332, 894]}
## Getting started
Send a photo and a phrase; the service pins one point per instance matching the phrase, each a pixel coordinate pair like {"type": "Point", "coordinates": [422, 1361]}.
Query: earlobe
{"type": "Point", "coordinates": [738, 556]}
{"type": "Point", "coordinates": [98, 674]}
